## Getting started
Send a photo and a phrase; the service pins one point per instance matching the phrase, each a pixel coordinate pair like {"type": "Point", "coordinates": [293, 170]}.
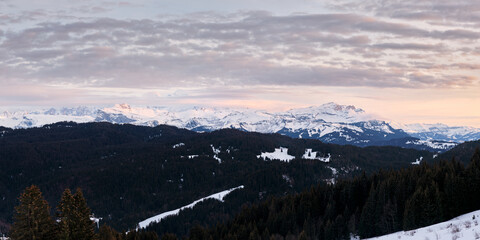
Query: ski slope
{"type": "Point", "coordinates": [157, 218]}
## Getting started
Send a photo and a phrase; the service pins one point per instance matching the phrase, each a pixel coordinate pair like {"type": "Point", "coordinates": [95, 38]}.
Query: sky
{"type": "Point", "coordinates": [407, 61]}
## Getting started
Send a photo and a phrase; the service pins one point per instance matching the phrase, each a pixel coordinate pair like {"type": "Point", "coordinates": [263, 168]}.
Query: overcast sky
{"type": "Point", "coordinates": [406, 60]}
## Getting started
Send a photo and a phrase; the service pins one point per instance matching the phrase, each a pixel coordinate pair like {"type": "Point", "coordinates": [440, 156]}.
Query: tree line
{"type": "Point", "coordinates": [141, 174]}
{"type": "Point", "coordinates": [72, 221]}
{"type": "Point", "coordinates": [367, 206]}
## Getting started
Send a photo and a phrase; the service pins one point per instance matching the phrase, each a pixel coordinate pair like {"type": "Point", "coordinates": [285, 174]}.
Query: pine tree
{"type": "Point", "coordinates": [74, 216]}
{"type": "Point", "coordinates": [32, 217]}
{"type": "Point", "coordinates": [107, 233]}
{"type": "Point", "coordinates": [169, 236]}
{"type": "Point", "coordinates": [66, 211]}
{"type": "Point", "coordinates": [86, 226]}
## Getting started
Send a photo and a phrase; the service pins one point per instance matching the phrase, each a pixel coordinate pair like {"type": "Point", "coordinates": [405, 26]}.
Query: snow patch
{"type": "Point", "coordinates": [279, 154]}
{"type": "Point", "coordinates": [464, 227]}
{"type": "Point", "coordinates": [157, 218]}
{"type": "Point", "coordinates": [178, 145]}
{"type": "Point", "coordinates": [417, 161]}
{"type": "Point", "coordinates": [434, 144]}
{"type": "Point", "coordinates": [310, 154]}
{"type": "Point", "coordinates": [215, 153]}
{"type": "Point", "coordinates": [95, 220]}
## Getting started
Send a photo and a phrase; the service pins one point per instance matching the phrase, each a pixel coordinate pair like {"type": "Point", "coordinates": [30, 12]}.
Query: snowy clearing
{"type": "Point", "coordinates": [310, 154]}
{"type": "Point", "coordinates": [155, 219]}
{"type": "Point", "coordinates": [279, 154]}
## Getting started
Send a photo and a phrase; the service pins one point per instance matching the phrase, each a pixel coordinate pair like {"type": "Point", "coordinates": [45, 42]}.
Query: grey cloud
{"type": "Point", "coordinates": [443, 12]}
{"type": "Point", "coordinates": [251, 48]}
{"type": "Point", "coordinates": [409, 46]}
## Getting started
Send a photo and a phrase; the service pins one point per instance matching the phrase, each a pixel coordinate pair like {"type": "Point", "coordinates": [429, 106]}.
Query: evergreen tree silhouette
{"type": "Point", "coordinates": [32, 217]}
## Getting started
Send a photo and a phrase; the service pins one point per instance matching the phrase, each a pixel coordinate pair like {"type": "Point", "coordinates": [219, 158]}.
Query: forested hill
{"type": "Point", "coordinates": [462, 152]}
{"type": "Point", "coordinates": [367, 206]}
{"type": "Point", "coordinates": [129, 173]}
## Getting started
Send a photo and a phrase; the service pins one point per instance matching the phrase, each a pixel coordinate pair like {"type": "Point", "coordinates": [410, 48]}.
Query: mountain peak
{"type": "Point", "coordinates": [123, 106]}
{"type": "Point", "coordinates": [341, 108]}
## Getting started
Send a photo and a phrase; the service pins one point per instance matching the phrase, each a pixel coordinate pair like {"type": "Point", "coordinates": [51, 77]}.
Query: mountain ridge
{"type": "Point", "coordinates": [330, 122]}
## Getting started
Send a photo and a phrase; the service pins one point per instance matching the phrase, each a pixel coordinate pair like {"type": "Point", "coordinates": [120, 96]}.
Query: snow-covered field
{"type": "Point", "coordinates": [279, 154]}
{"type": "Point", "coordinates": [310, 154]}
{"type": "Point", "coordinates": [465, 227]}
{"type": "Point", "coordinates": [157, 218]}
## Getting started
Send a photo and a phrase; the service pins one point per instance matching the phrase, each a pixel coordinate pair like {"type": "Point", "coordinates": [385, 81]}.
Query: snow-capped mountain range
{"type": "Point", "coordinates": [330, 122]}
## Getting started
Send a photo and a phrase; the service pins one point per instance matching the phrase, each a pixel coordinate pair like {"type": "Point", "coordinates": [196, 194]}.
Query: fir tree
{"type": "Point", "coordinates": [32, 217]}
{"type": "Point", "coordinates": [86, 226]}
{"type": "Point", "coordinates": [74, 216]}
{"type": "Point", "coordinates": [65, 214]}
{"type": "Point", "coordinates": [107, 233]}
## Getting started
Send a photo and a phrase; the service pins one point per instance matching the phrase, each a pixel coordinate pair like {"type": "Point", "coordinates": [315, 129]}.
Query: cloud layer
{"type": "Point", "coordinates": [384, 49]}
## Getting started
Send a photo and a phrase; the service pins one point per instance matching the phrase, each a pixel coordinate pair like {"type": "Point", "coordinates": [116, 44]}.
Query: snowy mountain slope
{"type": "Point", "coordinates": [157, 218]}
{"type": "Point", "coordinates": [465, 227]}
{"type": "Point", "coordinates": [440, 132]}
{"type": "Point", "coordinates": [331, 122]}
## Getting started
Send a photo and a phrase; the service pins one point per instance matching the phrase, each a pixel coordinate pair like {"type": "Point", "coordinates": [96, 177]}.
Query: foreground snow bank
{"type": "Point", "coordinates": [218, 196]}
{"type": "Point", "coordinates": [465, 227]}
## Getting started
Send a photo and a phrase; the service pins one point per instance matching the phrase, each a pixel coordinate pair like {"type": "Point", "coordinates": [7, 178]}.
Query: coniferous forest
{"type": "Point", "coordinates": [367, 206]}
{"type": "Point", "coordinates": [128, 173]}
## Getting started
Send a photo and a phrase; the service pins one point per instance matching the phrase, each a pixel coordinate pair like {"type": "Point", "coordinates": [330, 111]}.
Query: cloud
{"type": "Point", "coordinates": [442, 12]}
{"type": "Point", "coordinates": [244, 48]}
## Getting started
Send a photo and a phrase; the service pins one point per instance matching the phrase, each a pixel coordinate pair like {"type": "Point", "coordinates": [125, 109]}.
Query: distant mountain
{"type": "Point", "coordinates": [440, 132]}
{"type": "Point", "coordinates": [331, 123]}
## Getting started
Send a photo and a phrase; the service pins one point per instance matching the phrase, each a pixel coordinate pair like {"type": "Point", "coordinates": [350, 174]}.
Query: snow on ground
{"type": "Point", "coordinates": [215, 153]}
{"type": "Point", "coordinates": [334, 171]}
{"type": "Point", "coordinates": [218, 196]}
{"type": "Point", "coordinates": [334, 174]}
{"type": "Point", "coordinates": [465, 227]}
{"type": "Point", "coordinates": [434, 144]}
{"type": "Point", "coordinates": [309, 154]}
{"type": "Point", "coordinates": [178, 145]}
{"type": "Point", "coordinates": [279, 154]}
{"type": "Point", "coordinates": [96, 220]}
{"type": "Point", "coordinates": [325, 159]}
{"type": "Point", "coordinates": [417, 161]}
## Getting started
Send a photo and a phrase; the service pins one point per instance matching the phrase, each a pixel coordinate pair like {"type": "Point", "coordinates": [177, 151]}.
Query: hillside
{"type": "Point", "coordinates": [464, 227]}
{"type": "Point", "coordinates": [462, 152]}
{"type": "Point", "coordinates": [130, 173]}
{"type": "Point", "coordinates": [368, 206]}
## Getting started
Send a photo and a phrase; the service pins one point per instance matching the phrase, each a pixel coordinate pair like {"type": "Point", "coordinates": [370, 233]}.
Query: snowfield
{"type": "Point", "coordinates": [157, 218]}
{"type": "Point", "coordinates": [465, 227]}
